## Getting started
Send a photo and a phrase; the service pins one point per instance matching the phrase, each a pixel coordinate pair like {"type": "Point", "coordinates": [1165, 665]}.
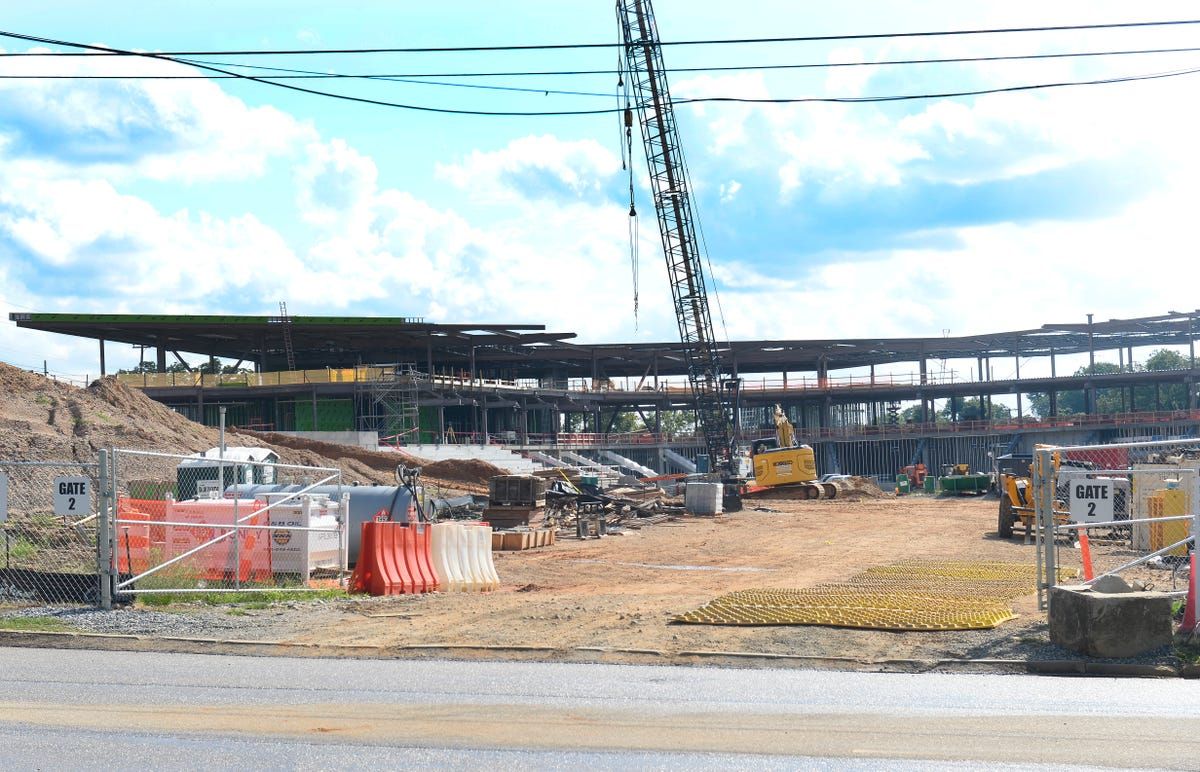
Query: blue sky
{"type": "Point", "coordinates": [969, 214]}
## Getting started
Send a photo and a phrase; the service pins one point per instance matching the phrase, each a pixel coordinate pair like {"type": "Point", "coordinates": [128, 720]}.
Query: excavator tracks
{"type": "Point", "coordinates": [795, 491]}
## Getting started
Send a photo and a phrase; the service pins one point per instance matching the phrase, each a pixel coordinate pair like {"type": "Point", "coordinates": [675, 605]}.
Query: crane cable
{"type": "Point", "coordinates": [626, 142]}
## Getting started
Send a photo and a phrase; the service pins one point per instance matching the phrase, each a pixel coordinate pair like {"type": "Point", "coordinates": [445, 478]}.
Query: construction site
{"type": "Point", "coordinates": [391, 486]}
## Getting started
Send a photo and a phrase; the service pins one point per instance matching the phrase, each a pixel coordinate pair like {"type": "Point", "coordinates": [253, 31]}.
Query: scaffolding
{"type": "Point", "coordinates": [389, 403]}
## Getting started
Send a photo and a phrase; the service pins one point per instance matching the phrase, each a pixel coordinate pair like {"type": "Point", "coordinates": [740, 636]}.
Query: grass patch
{"type": "Point", "coordinates": [1188, 650]}
{"type": "Point", "coordinates": [35, 624]}
{"type": "Point", "coordinates": [245, 600]}
{"type": "Point", "coordinates": [22, 549]}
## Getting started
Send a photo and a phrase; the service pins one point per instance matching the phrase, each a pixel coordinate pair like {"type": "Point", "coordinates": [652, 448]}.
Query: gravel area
{"type": "Point", "coordinates": [230, 622]}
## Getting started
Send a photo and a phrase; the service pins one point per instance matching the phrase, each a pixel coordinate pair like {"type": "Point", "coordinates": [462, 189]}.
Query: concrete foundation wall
{"type": "Point", "coordinates": [368, 440]}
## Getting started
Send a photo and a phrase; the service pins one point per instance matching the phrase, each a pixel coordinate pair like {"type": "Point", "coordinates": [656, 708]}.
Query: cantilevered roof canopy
{"type": "Point", "coordinates": [528, 351]}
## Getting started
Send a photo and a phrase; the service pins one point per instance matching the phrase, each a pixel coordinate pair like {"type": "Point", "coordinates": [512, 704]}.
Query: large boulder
{"type": "Point", "coordinates": [1102, 624]}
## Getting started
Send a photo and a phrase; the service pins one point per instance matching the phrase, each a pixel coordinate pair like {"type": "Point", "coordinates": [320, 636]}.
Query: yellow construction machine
{"type": "Point", "coordinates": [1014, 481]}
{"type": "Point", "coordinates": [780, 465]}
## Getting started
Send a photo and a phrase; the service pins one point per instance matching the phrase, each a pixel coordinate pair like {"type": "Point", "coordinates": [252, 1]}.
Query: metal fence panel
{"type": "Point", "coordinates": [192, 524]}
{"type": "Point", "coordinates": [49, 532]}
{"type": "Point", "coordinates": [1136, 503]}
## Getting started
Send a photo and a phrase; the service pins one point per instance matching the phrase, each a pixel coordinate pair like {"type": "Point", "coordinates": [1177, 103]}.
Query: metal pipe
{"type": "Point", "coordinates": [1114, 523]}
{"type": "Point", "coordinates": [103, 537]}
{"type": "Point", "coordinates": [1143, 559]}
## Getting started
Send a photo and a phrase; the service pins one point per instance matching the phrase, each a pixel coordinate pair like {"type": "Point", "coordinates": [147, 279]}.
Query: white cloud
{"type": "Point", "coordinates": [154, 129]}
{"type": "Point", "coordinates": [534, 167]}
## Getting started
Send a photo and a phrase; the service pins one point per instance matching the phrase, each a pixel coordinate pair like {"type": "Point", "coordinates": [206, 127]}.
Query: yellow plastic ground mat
{"type": "Point", "coordinates": [912, 595]}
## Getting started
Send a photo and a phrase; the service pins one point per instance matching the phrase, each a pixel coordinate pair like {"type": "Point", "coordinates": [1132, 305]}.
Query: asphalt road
{"type": "Point", "coordinates": [84, 709]}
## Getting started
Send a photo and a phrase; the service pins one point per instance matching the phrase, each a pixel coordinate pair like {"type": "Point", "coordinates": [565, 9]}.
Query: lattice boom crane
{"type": "Point", "coordinates": [713, 396]}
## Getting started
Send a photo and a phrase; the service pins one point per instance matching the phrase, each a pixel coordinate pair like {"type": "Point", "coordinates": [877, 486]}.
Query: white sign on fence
{"type": "Point", "coordinates": [1091, 501]}
{"type": "Point", "coordinates": [3, 497]}
{"type": "Point", "coordinates": [72, 496]}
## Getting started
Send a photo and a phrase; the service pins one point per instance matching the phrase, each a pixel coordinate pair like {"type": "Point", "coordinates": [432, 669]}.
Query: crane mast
{"type": "Point", "coordinates": [676, 224]}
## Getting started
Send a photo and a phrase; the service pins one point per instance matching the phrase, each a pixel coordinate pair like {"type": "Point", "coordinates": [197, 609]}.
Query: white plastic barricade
{"type": "Point", "coordinates": [462, 556]}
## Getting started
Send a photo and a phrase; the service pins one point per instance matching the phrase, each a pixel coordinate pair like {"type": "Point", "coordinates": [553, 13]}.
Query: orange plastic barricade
{"type": "Point", "coordinates": [368, 576]}
{"type": "Point", "coordinates": [416, 582]}
{"type": "Point", "coordinates": [393, 559]}
{"type": "Point", "coordinates": [425, 544]}
{"type": "Point", "coordinates": [418, 536]}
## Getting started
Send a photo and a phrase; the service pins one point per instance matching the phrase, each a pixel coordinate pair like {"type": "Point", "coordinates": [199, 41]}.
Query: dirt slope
{"type": "Point", "coordinates": [43, 419]}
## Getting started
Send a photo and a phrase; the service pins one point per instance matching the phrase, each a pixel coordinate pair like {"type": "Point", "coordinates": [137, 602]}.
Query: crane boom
{"type": "Point", "coordinates": [676, 223]}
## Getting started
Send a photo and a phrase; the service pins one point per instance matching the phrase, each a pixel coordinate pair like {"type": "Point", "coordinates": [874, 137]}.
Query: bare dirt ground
{"type": "Point", "coordinates": [621, 592]}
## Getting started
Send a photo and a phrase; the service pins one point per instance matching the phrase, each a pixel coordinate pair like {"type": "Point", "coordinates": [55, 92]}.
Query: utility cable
{"type": "Point", "coordinates": [296, 74]}
{"type": "Point", "coordinates": [603, 111]}
{"type": "Point", "coordinates": [102, 50]}
{"type": "Point", "coordinates": [291, 87]}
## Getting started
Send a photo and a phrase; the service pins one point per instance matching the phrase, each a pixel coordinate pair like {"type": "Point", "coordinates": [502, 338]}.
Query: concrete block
{"type": "Point", "coordinates": [1102, 624]}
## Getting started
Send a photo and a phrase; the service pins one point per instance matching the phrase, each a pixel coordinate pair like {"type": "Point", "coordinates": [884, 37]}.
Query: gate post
{"type": "Point", "coordinates": [104, 562]}
{"type": "Point", "coordinates": [1044, 482]}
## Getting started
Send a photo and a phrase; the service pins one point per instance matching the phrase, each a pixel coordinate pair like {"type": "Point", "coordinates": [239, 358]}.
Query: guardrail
{"type": "Point", "coordinates": [367, 374]}
{"type": "Point", "coordinates": [879, 431]}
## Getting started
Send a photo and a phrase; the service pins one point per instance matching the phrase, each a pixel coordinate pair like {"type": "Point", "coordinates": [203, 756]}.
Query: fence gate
{"type": "Point", "coordinates": [50, 522]}
{"type": "Point", "coordinates": [219, 523]}
{"type": "Point", "coordinates": [1138, 503]}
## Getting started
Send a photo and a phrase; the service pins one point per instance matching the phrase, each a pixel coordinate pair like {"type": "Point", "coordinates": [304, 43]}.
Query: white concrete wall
{"type": "Point", "coordinates": [368, 440]}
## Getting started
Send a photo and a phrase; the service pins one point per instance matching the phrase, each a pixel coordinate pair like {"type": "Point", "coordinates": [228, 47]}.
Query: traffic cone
{"type": "Point", "coordinates": [1189, 608]}
{"type": "Point", "coordinates": [1085, 555]}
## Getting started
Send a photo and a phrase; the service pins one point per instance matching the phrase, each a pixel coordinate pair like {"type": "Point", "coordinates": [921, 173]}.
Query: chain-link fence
{"type": "Point", "coordinates": [1126, 508]}
{"type": "Point", "coordinates": [49, 517]}
{"type": "Point", "coordinates": [224, 521]}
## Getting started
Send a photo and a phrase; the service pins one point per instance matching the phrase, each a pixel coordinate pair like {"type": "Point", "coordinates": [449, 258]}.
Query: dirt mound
{"type": "Point", "coordinates": [44, 419]}
{"type": "Point", "coordinates": [471, 471]}
{"type": "Point", "coordinates": [377, 460]}
{"type": "Point", "coordinates": [860, 488]}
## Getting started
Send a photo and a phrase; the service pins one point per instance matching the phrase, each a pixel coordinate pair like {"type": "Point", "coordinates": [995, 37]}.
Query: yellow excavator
{"type": "Point", "coordinates": [780, 465]}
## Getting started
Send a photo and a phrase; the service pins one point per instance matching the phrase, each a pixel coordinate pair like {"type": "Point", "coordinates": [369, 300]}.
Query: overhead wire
{"type": "Point", "coordinates": [605, 111]}
{"type": "Point", "coordinates": [102, 50]}
{"type": "Point", "coordinates": [300, 74]}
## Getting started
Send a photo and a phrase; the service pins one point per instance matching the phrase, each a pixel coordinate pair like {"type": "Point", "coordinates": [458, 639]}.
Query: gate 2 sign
{"type": "Point", "coordinates": [72, 496]}
{"type": "Point", "coordinates": [1091, 501]}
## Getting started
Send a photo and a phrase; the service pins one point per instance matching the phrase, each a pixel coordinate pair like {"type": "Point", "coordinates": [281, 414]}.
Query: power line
{"type": "Point", "coordinates": [101, 50]}
{"type": "Point", "coordinates": [944, 94]}
{"type": "Point", "coordinates": [291, 87]}
{"type": "Point", "coordinates": [603, 111]}
{"type": "Point", "coordinates": [295, 74]}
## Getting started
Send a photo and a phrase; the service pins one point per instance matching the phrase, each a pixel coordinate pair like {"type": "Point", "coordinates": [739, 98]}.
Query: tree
{"type": "Point", "coordinates": [142, 367]}
{"type": "Point", "coordinates": [912, 415]}
{"type": "Point", "coordinates": [1171, 396]}
{"type": "Point", "coordinates": [970, 409]}
{"type": "Point", "coordinates": [677, 422]}
{"type": "Point", "coordinates": [625, 422]}
{"type": "Point", "coordinates": [1074, 402]}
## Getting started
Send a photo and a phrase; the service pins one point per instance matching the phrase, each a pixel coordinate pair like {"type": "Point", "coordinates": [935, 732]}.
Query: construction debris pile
{"type": "Point", "coordinates": [910, 595]}
{"type": "Point", "coordinates": [630, 507]}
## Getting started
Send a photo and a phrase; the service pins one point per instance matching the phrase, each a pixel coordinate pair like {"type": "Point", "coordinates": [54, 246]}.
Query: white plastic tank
{"type": "Point", "coordinates": [703, 498]}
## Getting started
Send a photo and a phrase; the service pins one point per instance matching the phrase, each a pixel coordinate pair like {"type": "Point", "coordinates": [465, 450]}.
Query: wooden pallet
{"type": "Point", "coordinates": [511, 541]}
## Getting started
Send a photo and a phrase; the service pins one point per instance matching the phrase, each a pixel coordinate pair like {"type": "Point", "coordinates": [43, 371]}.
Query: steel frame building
{"type": "Point", "coordinates": [529, 386]}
